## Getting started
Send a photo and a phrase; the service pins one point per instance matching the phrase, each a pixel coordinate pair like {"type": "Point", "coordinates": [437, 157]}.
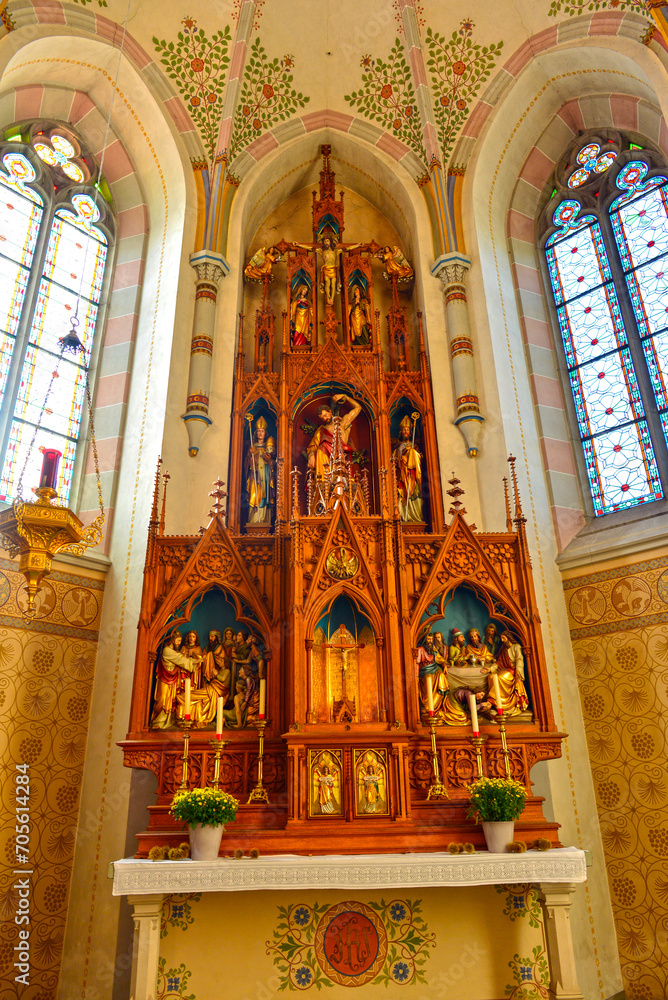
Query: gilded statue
{"type": "Point", "coordinates": [408, 461]}
{"type": "Point", "coordinates": [261, 265]}
{"type": "Point", "coordinates": [301, 317]}
{"type": "Point", "coordinates": [396, 264]}
{"type": "Point", "coordinates": [359, 319]}
{"type": "Point", "coordinates": [320, 447]}
{"type": "Point", "coordinates": [259, 472]}
{"type": "Point", "coordinates": [510, 672]}
{"type": "Point", "coordinates": [172, 668]}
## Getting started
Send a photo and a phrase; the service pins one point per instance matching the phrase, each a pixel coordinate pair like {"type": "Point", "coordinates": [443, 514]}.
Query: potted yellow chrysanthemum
{"type": "Point", "coordinates": [205, 811]}
{"type": "Point", "coordinates": [496, 803]}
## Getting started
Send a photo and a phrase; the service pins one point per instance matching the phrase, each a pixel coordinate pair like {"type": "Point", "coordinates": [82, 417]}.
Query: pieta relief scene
{"type": "Point", "coordinates": [333, 479]}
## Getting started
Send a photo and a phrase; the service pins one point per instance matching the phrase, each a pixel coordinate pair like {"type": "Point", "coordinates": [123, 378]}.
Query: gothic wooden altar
{"type": "Point", "coordinates": [331, 577]}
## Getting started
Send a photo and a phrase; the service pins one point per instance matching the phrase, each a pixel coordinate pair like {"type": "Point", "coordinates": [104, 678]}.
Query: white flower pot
{"type": "Point", "coordinates": [205, 841]}
{"type": "Point", "coordinates": [499, 834]}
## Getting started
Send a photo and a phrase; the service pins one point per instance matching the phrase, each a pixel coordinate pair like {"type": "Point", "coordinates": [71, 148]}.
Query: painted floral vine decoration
{"type": "Point", "coordinates": [198, 65]}
{"type": "Point", "coordinates": [458, 66]}
{"type": "Point", "coordinates": [572, 7]}
{"type": "Point", "coordinates": [267, 97]}
{"type": "Point", "coordinates": [387, 97]}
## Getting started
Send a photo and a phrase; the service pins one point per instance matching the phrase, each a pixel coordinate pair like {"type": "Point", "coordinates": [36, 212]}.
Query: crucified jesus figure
{"type": "Point", "coordinates": [329, 269]}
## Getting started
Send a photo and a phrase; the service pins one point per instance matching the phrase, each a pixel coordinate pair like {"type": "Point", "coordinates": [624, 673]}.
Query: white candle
{"type": "Point", "coordinates": [220, 721]}
{"type": "Point", "coordinates": [430, 695]}
{"type": "Point", "coordinates": [263, 696]}
{"type": "Point", "coordinates": [187, 699]}
{"type": "Point", "coordinates": [497, 694]}
{"type": "Point", "coordinates": [474, 715]}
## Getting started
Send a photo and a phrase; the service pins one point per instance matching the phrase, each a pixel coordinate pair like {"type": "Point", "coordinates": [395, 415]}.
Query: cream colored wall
{"type": "Point", "coordinates": [90, 963]}
{"type": "Point", "coordinates": [511, 427]}
{"type": "Point", "coordinates": [46, 685]}
{"type": "Point", "coordinates": [618, 620]}
{"type": "Point", "coordinates": [476, 943]}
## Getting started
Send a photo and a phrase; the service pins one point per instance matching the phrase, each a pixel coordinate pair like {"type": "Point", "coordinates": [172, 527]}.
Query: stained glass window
{"type": "Point", "coordinates": [20, 217]}
{"type": "Point", "coordinates": [72, 260]}
{"type": "Point", "coordinates": [618, 391]}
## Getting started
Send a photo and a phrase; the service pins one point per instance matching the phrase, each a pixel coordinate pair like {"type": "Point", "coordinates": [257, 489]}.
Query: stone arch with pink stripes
{"type": "Point", "coordinates": [115, 355]}
{"type": "Point", "coordinates": [603, 24]}
{"type": "Point", "coordinates": [94, 24]}
{"type": "Point", "coordinates": [630, 114]}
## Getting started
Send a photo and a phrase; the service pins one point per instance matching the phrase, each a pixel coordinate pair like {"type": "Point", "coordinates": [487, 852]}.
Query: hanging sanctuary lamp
{"type": "Point", "coordinates": [38, 530]}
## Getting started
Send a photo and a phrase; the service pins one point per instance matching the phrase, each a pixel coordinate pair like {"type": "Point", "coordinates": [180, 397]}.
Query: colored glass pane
{"type": "Point", "coordinates": [620, 463]}
{"type": "Point", "coordinates": [656, 355]}
{"type": "Point", "coordinates": [591, 325]}
{"type": "Point", "coordinates": [71, 285]}
{"type": "Point", "coordinates": [62, 145]}
{"type": "Point", "coordinates": [575, 263]}
{"type": "Point", "coordinates": [578, 178]}
{"type": "Point", "coordinates": [20, 216]}
{"type": "Point", "coordinates": [58, 151]}
{"type": "Point", "coordinates": [591, 161]}
{"type": "Point", "coordinates": [622, 468]}
{"type": "Point", "coordinates": [648, 288]}
{"type": "Point", "coordinates": [640, 225]}
{"type": "Point", "coordinates": [6, 350]}
{"type": "Point", "coordinates": [20, 439]}
{"type": "Point", "coordinates": [604, 161]}
{"type": "Point", "coordinates": [588, 154]}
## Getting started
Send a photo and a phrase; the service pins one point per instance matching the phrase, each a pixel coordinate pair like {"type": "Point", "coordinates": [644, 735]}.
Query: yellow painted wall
{"type": "Point", "coordinates": [46, 681]}
{"type": "Point", "coordinates": [618, 617]}
{"type": "Point", "coordinates": [473, 943]}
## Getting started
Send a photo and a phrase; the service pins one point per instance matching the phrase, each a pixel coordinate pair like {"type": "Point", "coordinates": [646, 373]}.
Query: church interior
{"type": "Point", "coordinates": [334, 465]}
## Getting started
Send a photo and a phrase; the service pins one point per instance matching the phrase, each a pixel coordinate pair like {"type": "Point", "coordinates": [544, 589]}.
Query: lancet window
{"type": "Point", "coordinates": [56, 230]}
{"type": "Point", "coordinates": [606, 248]}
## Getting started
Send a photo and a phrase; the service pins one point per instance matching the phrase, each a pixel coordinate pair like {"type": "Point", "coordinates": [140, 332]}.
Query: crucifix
{"type": "Point", "coordinates": [344, 709]}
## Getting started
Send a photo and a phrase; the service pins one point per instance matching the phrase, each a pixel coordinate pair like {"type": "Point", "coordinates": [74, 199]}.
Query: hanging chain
{"type": "Point", "coordinates": [94, 445]}
{"type": "Point", "coordinates": [54, 376]}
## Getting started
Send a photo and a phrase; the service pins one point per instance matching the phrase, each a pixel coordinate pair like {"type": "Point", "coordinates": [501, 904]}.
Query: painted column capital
{"type": "Point", "coordinates": [451, 268]}
{"type": "Point", "coordinates": [209, 266]}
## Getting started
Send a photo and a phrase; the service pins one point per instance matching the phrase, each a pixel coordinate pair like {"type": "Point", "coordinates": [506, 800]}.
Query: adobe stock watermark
{"type": "Point", "coordinates": [22, 884]}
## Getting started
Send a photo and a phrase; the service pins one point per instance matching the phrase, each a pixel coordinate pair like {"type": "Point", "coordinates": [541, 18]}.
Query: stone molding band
{"type": "Point", "coordinates": [139, 877]}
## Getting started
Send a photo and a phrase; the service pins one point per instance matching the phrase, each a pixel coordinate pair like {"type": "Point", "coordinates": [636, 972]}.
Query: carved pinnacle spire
{"type": "Point", "coordinates": [165, 479]}
{"type": "Point", "coordinates": [516, 492]}
{"type": "Point", "coordinates": [219, 494]}
{"type": "Point", "coordinates": [156, 496]}
{"type": "Point", "coordinates": [457, 507]}
{"type": "Point", "coordinates": [509, 519]}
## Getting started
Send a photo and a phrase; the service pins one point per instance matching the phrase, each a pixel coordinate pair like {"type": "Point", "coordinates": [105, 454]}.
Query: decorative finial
{"type": "Point", "coordinates": [509, 519]}
{"type": "Point", "coordinates": [457, 507]}
{"type": "Point", "coordinates": [156, 495]}
{"type": "Point", "coordinates": [516, 492]}
{"type": "Point", "coordinates": [219, 494]}
{"type": "Point", "coordinates": [165, 479]}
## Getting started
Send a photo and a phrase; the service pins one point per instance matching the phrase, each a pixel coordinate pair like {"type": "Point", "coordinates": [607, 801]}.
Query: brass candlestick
{"type": "Point", "coordinates": [504, 744]}
{"type": "Point", "coordinates": [437, 789]}
{"type": "Point", "coordinates": [477, 742]}
{"type": "Point", "coordinates": [259, 793]}
{"type": "Point", "coordinates": [185, 725]}
{"type": "Point", "coordinates": [217, 746]}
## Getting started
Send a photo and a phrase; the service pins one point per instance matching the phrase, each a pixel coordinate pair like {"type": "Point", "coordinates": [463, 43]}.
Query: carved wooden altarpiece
{"type": "Point", "coordinates": [335, 576]}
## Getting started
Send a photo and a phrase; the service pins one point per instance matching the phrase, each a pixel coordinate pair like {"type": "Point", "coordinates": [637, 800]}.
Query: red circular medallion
{"type": "Point", "coordinates": [351, 943]}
